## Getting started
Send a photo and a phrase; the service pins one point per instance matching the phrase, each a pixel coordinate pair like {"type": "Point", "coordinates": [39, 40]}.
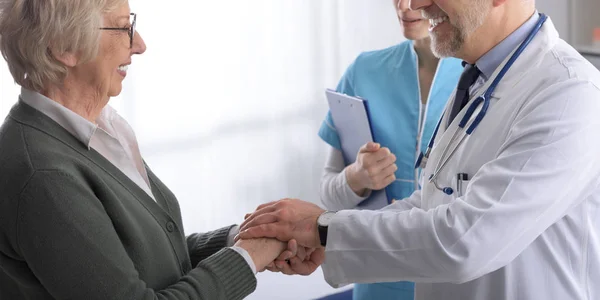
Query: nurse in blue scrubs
{"type": "Point", "coordinates": [407, 88]}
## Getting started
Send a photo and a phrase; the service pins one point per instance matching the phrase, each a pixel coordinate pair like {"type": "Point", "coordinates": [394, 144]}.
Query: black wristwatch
{"type": "Point", "coordinates": [323, 224]}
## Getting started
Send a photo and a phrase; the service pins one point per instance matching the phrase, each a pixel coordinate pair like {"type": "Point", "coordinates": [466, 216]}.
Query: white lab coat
{"type": "Point", "coordinates": [528, 223]}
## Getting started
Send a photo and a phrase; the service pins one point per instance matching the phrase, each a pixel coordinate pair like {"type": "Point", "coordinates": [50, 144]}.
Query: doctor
{"type": "Point", "coordinates": [522, 223]}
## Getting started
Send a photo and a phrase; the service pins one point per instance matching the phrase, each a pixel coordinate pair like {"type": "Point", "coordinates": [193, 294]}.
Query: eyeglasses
{"type": "Point", "coordinates": [130, 30]}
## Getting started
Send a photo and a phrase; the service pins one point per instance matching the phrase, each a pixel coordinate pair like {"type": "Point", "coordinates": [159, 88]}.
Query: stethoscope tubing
{"type": "Point", "coordinates": [484, 101]}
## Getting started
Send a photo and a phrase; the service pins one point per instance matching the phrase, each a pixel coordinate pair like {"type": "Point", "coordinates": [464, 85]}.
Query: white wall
{"type": "Point", "coordinates": [574, 19]}
{"type": "Point", "coordinates": [558, 11]}
{"type": "Point", "coordinates": [584, 18]}
{"type": "Point", "coordinates": [366, 25]}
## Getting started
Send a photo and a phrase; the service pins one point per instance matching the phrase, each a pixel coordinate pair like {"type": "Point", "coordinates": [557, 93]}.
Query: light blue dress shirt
{"type": "Point", "coordinates": [490, 61]}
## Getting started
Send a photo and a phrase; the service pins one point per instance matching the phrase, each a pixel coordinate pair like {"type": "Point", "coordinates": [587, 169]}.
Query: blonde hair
{"type": "Point", "coordinates": [30, 28]}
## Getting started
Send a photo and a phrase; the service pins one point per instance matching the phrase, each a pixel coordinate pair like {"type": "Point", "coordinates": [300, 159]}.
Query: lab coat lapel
{"type": "Point", "coordinates": [444, 142]}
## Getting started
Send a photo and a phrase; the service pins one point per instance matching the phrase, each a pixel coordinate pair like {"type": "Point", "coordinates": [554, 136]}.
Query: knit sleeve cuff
{"type": "Point", "coordinates": [232, 270]}
{"type": "Point", "coordinates": [203, 245]}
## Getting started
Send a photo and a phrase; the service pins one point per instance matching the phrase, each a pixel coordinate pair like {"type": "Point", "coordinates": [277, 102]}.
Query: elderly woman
{"type": "Point", "coordinates": [81, 214]}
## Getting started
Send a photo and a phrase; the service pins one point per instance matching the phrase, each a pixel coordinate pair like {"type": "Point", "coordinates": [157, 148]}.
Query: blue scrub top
{"type": "Point", "coordinates": [389, 80]}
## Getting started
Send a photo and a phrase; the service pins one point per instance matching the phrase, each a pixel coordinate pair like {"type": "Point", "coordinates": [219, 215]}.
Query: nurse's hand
{"type": "Point", "coordinates": [374, 169]}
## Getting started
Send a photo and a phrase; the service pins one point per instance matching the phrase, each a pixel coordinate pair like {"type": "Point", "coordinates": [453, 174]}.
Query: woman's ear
{"type": "Point", "coordinates": [69, 59]}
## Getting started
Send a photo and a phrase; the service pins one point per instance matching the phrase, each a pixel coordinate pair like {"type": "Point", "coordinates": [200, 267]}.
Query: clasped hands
{"type": "Point", "coordinates": [294, 224]}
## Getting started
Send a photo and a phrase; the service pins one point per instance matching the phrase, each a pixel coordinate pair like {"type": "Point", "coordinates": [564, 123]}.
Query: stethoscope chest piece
{"type": "Point", "coordinates": [446, 190]}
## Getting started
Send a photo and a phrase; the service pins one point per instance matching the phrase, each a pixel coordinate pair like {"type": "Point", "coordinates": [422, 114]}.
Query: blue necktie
{"type": "Point", "coordinates": [468, 77]}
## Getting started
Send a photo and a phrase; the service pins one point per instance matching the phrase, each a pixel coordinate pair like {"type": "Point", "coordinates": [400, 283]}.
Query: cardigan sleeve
{"type": "Point", "coordinates": [70, 244]}
{"type": "Point", "coordinates": [203, 245]}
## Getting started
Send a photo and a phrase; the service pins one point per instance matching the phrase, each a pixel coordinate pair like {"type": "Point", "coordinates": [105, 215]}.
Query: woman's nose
{"type": "Point", "coordinates": [139, 46]}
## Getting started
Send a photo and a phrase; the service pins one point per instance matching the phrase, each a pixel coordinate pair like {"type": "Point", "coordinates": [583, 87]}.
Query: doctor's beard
{"type": "Point", "coordinates": [445, 44]}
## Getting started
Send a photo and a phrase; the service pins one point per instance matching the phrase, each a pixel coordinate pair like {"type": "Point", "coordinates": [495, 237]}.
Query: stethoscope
{"type": "Point", "coordinates": [484, 101]}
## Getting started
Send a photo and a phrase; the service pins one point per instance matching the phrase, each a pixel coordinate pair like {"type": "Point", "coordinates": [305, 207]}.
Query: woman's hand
{"type": "Point", "coordinates": [263, 251]}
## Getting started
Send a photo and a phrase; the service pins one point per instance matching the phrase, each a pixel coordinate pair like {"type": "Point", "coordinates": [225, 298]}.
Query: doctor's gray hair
{"type": "Point", "coordinates": [30, 28]}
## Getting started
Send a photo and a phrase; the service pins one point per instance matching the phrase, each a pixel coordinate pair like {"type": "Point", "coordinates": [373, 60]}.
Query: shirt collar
{"type": "Point", "coordinates": [75, 124]}
{"type": "Point", "coordinates": [490, 61]}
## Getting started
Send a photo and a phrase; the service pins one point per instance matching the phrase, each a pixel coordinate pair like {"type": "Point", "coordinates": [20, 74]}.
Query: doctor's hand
{"type": "Point", "coordinates": [284, 220]}
{"type": "Point", "coordinates": [374, 169]}
{"type": "Point", "coordinates": [288, 220]}
{"type": "Point", "coordinates": [305, 262]}
{"type": "Point", "coordinates": [296, 260]}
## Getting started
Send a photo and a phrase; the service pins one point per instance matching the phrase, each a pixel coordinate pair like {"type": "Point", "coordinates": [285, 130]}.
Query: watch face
{"type": "Point", "coordinates": [326, 218]}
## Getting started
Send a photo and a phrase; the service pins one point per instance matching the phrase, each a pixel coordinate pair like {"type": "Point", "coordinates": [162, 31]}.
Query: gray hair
{"type": "Point", "coordinates": [30, 28]}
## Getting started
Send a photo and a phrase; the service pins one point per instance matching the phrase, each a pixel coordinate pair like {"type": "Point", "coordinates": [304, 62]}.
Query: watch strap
{"type": "Point", "coordinates": [323, 234]}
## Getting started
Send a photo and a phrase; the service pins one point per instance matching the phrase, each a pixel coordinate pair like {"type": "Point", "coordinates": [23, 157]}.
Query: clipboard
{"type": "Point", "coordinates": [352, 122]}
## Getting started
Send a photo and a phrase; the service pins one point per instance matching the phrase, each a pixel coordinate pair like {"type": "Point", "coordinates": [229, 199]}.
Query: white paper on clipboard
{"type": "Point", "coordinates": [351, 119]}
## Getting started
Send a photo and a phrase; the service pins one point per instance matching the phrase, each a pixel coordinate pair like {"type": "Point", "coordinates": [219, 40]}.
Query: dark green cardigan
{"type": "Point", "coordinates": [72, 226]}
